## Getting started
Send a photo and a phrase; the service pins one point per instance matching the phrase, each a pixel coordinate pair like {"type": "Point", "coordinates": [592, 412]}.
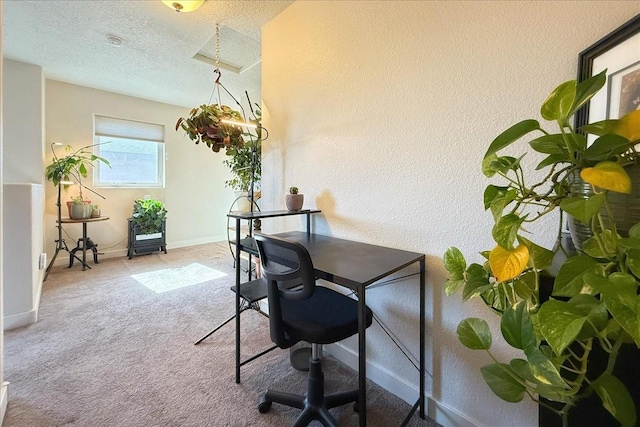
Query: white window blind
{"type": "Point", "coordinates": [130, 129]}
{"type": "Point", "coordinates": [134, 149]}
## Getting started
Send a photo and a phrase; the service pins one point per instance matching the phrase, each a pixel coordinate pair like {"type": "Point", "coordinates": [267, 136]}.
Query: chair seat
{"type": "Point", "coordinates": [326, 317]}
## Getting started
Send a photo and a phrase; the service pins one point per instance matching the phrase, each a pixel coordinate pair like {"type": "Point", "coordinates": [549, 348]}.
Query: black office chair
{"type": "Point", "coordinates": [314, 314]}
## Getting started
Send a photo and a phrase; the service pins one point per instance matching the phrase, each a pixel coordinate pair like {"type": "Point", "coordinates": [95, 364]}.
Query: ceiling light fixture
{"type": "Point", "coordinates": [184, 5]}
{"type": "Point", "coordinates": [114, 40]}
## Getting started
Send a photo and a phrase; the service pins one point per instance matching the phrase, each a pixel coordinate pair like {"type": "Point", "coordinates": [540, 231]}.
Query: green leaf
{"type": "Point", "coordinates": [452, 284]}
{"type": "Point", "coordinates": [629, 243]}
{"type": "Point", "coordinates": [600, 128]}
{"type": "Point", "coordinates": [489, 168]}
{"type": "Point", "coordinates": [607, 146]}
{"type": "Point", "coordinates": [552, 159]}
{"type": "Point", "coordinates": [522, 368]}
{"type": "Point", "coordinates": [499, 378]}
{"type": "Point", "coordinates": [595, 312]}
{"type": "Point", "coordinates": [624, 282]}
{"type": "Point", "coordinates": [626, 313]}
{"type": "Point", "coordinates": [587, 88]}
{"type": "Point", "coordinates": [576, 142]}
{"type": "Point", "coordinates": [477, 281]}
{"type": "Point", "coordinates": [581, 208]}
{"type": "Point", "coordinates": [454, 261]}
{"type": "Point", "coordinates": [591, 246]}
{"type": "Point", "coordinates": [635, 231]}
{"type": "Point", "coordinates": [499, 204]}
{"type": "Point", "coordinates": [543, 369]}
{"type": "Point", "coordinates": [83, 170]}
{"type": "Point", "coordinates": [558, 104]}
{"type": "Point", "coordinates": [525, 285]}
{"type": "Point", "coordinates": [474, 333]}
{"type": "Point", "coordinates": [491, 193]}
{"type": "Point", "coordinates": [549, 144]}
{"type": "Point", "coordinates": [516, 327]}
{"type": "Point", "coordinates": [619, 294]}
{"type": "Point", "coordinates": [633, 261]}
{"type": "Point", "coordinates": [475, 286]}
{"type": "Point", "coordinates": [511, 135]}
{"type": "Point", "coordinates": [570, 278]}
{"type": "Point", "coordinates": [496, 299]}
{"type": "Point", "coordinates": [506, 229]}
{"type": "Point", "coordinates": [616, 399]}
{"type": "Point", "coordinates": [560, 324]}
{"type": "Point", "coordinates": [539, 257]}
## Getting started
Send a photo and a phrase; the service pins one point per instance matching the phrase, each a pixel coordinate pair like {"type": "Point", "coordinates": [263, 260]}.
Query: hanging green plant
{"type": "Point", "coordinates": [204, 124]}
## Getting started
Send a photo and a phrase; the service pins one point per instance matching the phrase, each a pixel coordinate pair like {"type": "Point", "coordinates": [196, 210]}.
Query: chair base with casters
{"type": "Point", "coordinates": [315, 405]}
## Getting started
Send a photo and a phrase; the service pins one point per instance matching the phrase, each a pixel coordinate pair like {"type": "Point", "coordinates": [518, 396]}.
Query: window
{"type": "Point", "coordinates": [134, 149]}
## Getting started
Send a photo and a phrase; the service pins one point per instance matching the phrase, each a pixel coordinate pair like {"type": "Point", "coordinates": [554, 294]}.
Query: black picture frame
{"type": "Point", "coordinates": [605, 46]}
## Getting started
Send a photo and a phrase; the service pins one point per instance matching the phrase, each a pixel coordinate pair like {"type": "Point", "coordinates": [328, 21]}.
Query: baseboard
{"type": "Point", "coordinates": [442, 414]}
{"type": "Point", "coordinates": [18, 320]}
{"type": "Point", "coordinates": [63, 257]}
{"type": "Point", "coordinates": [194, 242]}
{"type": "Point", "coordinates": [4, 400]}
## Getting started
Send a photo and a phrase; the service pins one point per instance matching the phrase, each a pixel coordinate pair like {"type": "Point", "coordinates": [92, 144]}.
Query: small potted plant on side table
{"type": "Point", "coordinates": [294, 199]}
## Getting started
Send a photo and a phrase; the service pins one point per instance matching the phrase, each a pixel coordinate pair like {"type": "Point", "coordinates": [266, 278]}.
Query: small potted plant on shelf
{"type": "Point", "coordinates": [592, 312]}
{"type": "Point", "coordinates": [294, 199]}
{"type": "Point", "coordinates": [95, 211]}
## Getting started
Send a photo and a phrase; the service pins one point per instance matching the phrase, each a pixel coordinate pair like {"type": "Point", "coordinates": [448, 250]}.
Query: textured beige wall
{"type": "Point", "coordinates": [380, 112]}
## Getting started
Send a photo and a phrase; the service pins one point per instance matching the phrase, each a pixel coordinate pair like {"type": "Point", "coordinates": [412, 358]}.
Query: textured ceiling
{"type": "Point", "coordinates": [156, 60]}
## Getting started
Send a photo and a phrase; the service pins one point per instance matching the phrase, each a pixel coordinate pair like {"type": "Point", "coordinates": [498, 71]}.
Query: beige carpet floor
{"type": "Point", "coordinates": [109, 351]}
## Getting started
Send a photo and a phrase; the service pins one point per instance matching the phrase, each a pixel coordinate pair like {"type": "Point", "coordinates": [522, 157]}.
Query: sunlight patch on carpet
{"type": "Point", "coordinates": [169, 279]}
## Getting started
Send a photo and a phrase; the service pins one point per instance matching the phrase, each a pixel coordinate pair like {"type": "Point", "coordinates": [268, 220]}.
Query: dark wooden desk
{"type": "Point", "coordinates": [356, 265]}
{"type": "Point", "coordinates": [84, 240]}
{"type": "Point", "coordinates": [351, 264]}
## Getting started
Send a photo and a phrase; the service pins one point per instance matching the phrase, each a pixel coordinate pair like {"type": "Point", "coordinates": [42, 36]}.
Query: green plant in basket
{"type": "Point", "coordinates": [148, 215]}
{"type": "Point", "coordinates": [594, 301]}
{"type": "Point", "coordinates": [205, 124]}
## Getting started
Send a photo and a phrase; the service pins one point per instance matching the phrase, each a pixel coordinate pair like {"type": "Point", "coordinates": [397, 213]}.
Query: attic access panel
{"type": "Point", "coordinates": [238, 52]}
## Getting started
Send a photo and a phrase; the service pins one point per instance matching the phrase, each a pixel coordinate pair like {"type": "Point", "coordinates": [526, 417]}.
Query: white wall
{"type": "Point", "coordinates": [196, 199]}
{"type": "Point", "coordinates": [3, 388]}
{"type": "Point", "coordinates": [380, 112]}
{"type": "Point", "coordinates": [23, 96]}
{"type": "Point", "coordinates": [23, 101]}
{"type": "Point", "coordinates": [23, 228]}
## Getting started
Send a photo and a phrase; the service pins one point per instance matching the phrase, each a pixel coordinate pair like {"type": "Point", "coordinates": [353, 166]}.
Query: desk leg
{"type": "Point", "coordinates": [422, 335]}
{"type": "Point", "coordinates": [362, 357]}
{"type": "Point", "coordinates": [237, 300]}
{"type": "Point", "coordinates": [84, 246]}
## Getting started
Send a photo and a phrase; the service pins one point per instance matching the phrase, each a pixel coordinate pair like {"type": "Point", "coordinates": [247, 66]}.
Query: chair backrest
{"type": "Point", "coordinates": [284, 262]}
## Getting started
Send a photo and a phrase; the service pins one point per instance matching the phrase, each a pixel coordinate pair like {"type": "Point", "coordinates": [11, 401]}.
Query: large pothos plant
{"type": "Point", "coordinates": [595, 294]}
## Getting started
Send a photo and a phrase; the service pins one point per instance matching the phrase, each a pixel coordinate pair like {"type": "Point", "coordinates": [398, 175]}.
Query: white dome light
{"type": "Point", "coordinates": [183, 5]}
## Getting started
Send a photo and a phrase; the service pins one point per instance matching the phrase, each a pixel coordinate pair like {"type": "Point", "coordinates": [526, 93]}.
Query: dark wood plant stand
{"type": "Point", "coordinates": [145, 246]}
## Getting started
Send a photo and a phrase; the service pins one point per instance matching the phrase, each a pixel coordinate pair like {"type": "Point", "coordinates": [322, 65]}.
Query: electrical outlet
{"type": "Point", "coordinates": [42, 261]}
